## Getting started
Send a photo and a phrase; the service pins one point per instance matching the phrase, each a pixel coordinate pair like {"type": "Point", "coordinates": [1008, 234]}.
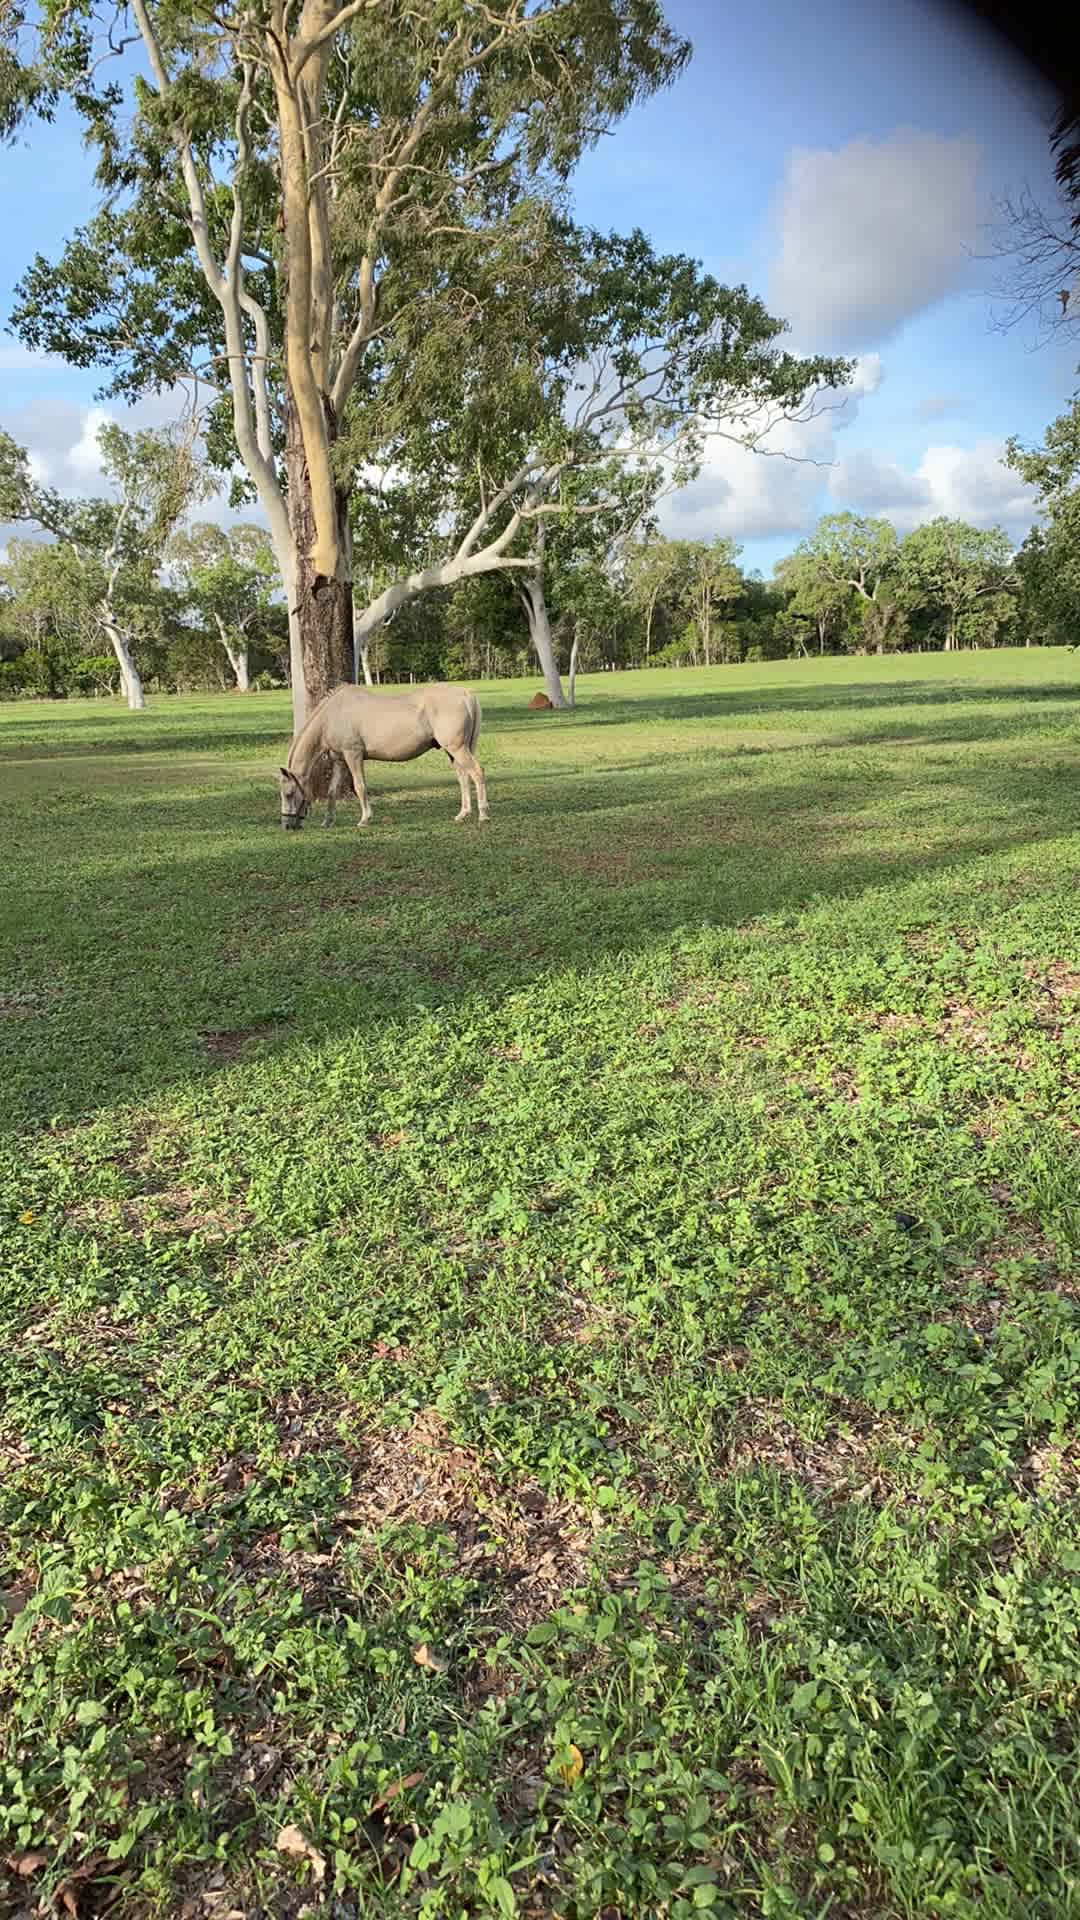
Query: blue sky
{"type": "Point", "coordinates": [842, 159]}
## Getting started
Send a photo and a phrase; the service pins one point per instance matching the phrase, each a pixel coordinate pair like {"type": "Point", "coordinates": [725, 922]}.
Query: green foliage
{"type": "Point", "coordinates": [1049, 562]}
{"type": "Point", "coordinates": [629, 1253]}
{"type": "Point", "coordinates": [962, 576]}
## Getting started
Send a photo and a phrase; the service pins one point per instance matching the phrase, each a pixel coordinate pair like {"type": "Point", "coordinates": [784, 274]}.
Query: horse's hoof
{"type": "Point", "coordinates": [462, 816]}
{"type": "Point", "coordinates": [483, 817]}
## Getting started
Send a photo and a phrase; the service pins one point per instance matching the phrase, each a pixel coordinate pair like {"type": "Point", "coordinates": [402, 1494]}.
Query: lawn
{"type": "Point", "coordinates": [540, 1363]}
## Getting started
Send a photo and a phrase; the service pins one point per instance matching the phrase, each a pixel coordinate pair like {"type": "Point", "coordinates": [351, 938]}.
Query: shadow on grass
{"type": "Point", "coordinates": [293, 939]}
{"type": "Point", "coordinates": [77, 733]}
{"type": "Point", "coordinates": [737, 702]}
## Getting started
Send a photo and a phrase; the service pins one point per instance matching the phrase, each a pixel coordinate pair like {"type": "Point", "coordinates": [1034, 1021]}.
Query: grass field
{"type": "Point", "coordinates": [540, 1363]}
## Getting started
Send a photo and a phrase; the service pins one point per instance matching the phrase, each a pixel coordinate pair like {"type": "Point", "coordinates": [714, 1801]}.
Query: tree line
{"type": "Point", "coordinates": [127, 592]}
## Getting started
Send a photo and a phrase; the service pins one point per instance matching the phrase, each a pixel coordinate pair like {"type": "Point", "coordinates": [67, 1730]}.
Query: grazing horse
{"type": "Point", "coordinates": [353, 725]}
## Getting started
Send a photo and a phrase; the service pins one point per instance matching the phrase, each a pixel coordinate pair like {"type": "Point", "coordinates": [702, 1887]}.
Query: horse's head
{"type": "Point", "coordinates": [294, 800]}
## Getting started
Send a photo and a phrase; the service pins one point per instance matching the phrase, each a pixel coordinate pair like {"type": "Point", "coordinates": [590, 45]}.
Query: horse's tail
{"type": "Point", "coordinates": [475, 718]}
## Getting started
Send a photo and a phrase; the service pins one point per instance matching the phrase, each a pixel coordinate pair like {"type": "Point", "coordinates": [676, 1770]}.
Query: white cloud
{"type": "Point", "coordinates": [963, 483]}
{"type": "Point", "coordinates": [873, 233]}
{"type": "Point", "coordinates": [84, 458]}
{"type": "Point", "coordinates": [61, 440]}
{"type": "Point", "coordinates": [60, 437]}
{"type": "Point", "coordinates": [749, 495]}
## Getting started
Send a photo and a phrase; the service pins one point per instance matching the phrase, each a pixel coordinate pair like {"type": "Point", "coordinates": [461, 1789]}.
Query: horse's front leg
{"type": "Point", "coordinates": [355, 764]}
{"type": "Point", "coordinates": [336, 787]}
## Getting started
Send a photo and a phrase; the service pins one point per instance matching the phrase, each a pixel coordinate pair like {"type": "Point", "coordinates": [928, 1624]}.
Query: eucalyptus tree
{"type": "Point", "coordinates": [293, 187]}
{"type": "Point", "coordinates": [603, 370]}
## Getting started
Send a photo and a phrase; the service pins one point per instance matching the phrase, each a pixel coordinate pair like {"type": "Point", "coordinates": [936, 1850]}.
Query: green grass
{"type": "Point", "coordinates": [628, 1251]}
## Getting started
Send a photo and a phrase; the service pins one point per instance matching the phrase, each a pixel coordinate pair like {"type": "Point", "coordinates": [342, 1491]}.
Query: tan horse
{"type": "Point", "coordinates": [353, 725]}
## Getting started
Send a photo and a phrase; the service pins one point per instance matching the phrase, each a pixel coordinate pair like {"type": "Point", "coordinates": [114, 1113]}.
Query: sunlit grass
{"type": "Point", "coordinates": [628, 1250]}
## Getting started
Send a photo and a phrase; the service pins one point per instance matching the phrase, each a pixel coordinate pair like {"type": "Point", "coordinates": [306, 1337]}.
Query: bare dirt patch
{"type": "Point", "coordinates": [169, 1210]}
{"type": "Point", "coordinates": [838, 1466]}
{"type": "Point", "coordinates": [526, 1550]}
{"type": "Point", "coordinates": [231, 1043]}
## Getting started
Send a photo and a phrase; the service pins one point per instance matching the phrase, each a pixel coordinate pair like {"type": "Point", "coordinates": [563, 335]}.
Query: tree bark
{"type": "Point", "coordinates": [238, 661]}
{"type": "Point", "coordinates": [535, 604]}
{"type": "Point", "coordinates": [129, 672]}
{"type": "Point", "coordinates": [321, 642]}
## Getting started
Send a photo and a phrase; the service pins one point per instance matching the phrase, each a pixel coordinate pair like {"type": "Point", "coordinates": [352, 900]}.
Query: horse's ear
{"type": "Point", "coordinates": [284, 772]}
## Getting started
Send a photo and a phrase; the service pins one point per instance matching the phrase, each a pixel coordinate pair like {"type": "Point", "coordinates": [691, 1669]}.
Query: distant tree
{"type": "Point", "coordinates": [713, 581]}
{"type": "Point", "coordinates": [653, 575]}
{"type": "Point", "coordinates": [230, 578]}
{"type": "Point", "coordinates": [862, 557]}
{"type": "Point", "coordinates": [50, 618]}
{"type": "Point", "coordinates": [963, 577]}
{"type": "Point", "coordinates": [817, 601]}
{"type": "Point", "coordinates": [1049, 562]}
{"type": "Point", "coordinates": [114, 545]}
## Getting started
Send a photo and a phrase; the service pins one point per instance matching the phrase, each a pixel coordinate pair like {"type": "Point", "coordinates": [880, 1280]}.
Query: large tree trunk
{"type": "Point", "coordinates": [129, 672]}
{"type": "Point", "coordinates": [535, 604]}
{"type": "Point", "coordinates": [571, 678]}
{"type": "Point", "coordinates": [322, 643]}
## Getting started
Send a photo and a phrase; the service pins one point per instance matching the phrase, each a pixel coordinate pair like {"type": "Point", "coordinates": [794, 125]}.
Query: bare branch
{"type": "Point", "coordinates": [226, 290]}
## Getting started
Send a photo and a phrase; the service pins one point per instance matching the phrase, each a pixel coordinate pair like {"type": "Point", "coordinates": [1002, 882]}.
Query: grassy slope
{"type": "Point", "coordinates": [629, 1251]}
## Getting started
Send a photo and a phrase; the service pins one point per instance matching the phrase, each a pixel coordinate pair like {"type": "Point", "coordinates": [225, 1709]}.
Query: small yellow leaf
{"type": "Point", "coordinates": [573, 1766]}
{"type": "Point", "coordinates": [27, 1219]}
{"type": "Point", "coordinates": [291, 1841]}
{"type": "Point", "coordinates": [425, 1658]}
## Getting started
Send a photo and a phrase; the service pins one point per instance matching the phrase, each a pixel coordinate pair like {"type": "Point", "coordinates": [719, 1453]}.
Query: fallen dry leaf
{"type": "Point", "coordinates": [391, 1792]}
{"type": "Point", "coordinates": [425, 1658]}
{"type": "Point", "coordinates": [574, 1765]}
{"type": "Point", "coordinates": [24, 1864]}
{"type": "Point", "coordinates": [68, 1893]}
{"type": "Point", "coordinates": [291, 1841]}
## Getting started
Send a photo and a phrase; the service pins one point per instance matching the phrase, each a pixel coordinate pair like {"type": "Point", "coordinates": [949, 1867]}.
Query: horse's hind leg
{"type": "Point", "coordinates": [467, 767]}
{"type": "Point", "coordinates": [466, 791]}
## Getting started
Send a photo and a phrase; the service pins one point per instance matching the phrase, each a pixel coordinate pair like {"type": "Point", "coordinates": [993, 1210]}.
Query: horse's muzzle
{"type": "Point", "coordinates": [291, 821]}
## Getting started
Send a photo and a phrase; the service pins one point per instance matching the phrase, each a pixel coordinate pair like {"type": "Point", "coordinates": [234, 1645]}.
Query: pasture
{"type": "Point", "coordinates": [540, 1362]}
